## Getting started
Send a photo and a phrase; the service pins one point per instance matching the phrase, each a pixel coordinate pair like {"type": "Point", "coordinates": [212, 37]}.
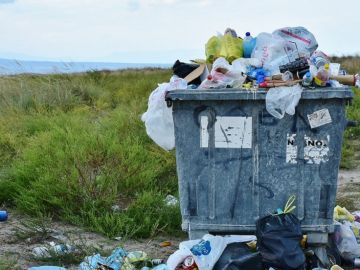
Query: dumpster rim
{"type": "Point", "coordinates": [242, 94]}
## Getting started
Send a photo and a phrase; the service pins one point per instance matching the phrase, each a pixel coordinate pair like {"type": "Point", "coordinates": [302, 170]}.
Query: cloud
{"type": "Point", "coordinates": [7, 1]}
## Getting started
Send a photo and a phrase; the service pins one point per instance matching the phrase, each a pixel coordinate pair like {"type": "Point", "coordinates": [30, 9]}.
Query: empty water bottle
{"type": "Point", "coordinates": [307, 79]}
{"type": "Point", "coordinates": [248, 45]}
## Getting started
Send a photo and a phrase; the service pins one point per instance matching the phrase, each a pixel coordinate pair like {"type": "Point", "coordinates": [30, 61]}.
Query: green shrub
{"type": "Point", "coordinates": [75, 154]}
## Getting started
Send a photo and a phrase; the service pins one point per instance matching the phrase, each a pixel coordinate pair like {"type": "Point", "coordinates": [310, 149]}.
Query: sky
{"type": "Point", "coordinates": [161, 31]}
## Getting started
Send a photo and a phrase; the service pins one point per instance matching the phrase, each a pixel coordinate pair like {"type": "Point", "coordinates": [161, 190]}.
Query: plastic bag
{"type": "Point", "coordinates": [242, 64]}
{"type": "Point", "coordinates": [114, 261]}
{"type": "Point", "coordinates": [271, 51]}
{"type": "Point", "coordinates": [348, 242]}
{"type": "Point", "coordinates": [225, 46]}
{"type": "Point", "coordinates": [341, 213]}
{"type": "Point", "coordinates": [231, 47]}
{"type": "Point", "coordinates": [238, 256]}
{"type": "Point", "coordinates": [305, 40]}
{"type": "Point", "coordinates": [278, 240]}
{"type": "Point", "coordinates": [281, 100]}
{"type": "Point", "coordinates": [212, 49]}
{"type": "Point", "coordinates": [205, 252]}
{"type": "Point", "coordinates": [223, 74]}
{"type": "Point", "coordinates": [158, 117]}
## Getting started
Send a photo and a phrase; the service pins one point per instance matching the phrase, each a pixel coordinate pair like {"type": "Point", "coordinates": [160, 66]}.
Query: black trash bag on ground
{"type": "Point", "coordinates": [183, 69]}
{"type": "Point", "coordinates": [238, 256]}
{"type": "Point", "coordinates": [278, 240]}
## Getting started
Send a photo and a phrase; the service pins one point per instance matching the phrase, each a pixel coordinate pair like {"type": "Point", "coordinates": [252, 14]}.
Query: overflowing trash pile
{"type": "Point", "coordinates": [283, 63]}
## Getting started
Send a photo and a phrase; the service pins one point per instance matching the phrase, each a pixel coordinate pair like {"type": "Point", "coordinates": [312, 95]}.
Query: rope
{"type": "Point", "coordinates": [289, 207]}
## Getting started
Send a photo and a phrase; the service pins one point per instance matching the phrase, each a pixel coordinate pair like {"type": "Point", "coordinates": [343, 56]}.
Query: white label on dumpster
{"type": "Point", "coordinates": [319, 118]}
{"type": "Point", "coordinates": [204, 134]}
{"type": "Point", "coordinates": [229, 132]}
{"type": "Point", "coordinates": [316, 151]}
{"type": "Point", "coordinates": [291, 149]}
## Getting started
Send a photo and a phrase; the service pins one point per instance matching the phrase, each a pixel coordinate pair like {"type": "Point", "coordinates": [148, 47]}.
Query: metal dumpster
{"type": "Point", "coordinates": [236, 162]}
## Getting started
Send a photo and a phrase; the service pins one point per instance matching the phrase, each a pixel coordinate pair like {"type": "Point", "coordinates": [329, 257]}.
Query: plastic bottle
{"type": "Point", "coordinates": [322, 75]}
{"type": "Point", "coordinates": [319, 59]}
{"type": "Point", "coordinates": [3, 215]}
{"type": "Point", "coordinates": [307, 79]}
{"type": "Point", "coordinates": [248, 45]}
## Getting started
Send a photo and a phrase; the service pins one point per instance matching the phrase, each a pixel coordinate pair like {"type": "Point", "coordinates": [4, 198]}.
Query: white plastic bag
{"type": "Point", "coordinates": [224, 74]}
{"type": "Point", "coordinates": [206, 251]}
{"type": "Point", "coordinates": [281, 100]}
{"type": "Point", "coordinates": [158, 117]}
{"type": "Point", "coordinates": [271, 51]}
{"type": "Point", "coordinates": [305, 40]}
{"type": "Point", "coordinates": [242, 64]}
{"type": "Point", "coordinates": [349, 242]}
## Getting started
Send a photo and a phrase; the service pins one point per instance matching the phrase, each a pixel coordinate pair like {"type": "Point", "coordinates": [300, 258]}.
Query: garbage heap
{"type": "Point", "coordinates": [284, 64]}
{"type": "Point", "coordinates": [286, 57]}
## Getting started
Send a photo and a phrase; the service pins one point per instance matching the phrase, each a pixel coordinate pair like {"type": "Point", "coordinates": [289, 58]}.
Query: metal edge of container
{"type": "Point", "coordinates": [189, 225]}
{"type": "Point", "coordinates": [242, 94]}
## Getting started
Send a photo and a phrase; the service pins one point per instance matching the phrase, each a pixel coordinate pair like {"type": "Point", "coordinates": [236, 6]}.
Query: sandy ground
{"type": "Point", "coordinates": [21, 249]}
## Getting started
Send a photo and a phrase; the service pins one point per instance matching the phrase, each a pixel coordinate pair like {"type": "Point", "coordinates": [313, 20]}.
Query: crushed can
{"type": "Point", "coordinates": [188, 264]}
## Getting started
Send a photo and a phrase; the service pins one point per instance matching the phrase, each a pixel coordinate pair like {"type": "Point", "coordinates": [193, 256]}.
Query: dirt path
{"type": "Point", "coordinates": [348, 194]}
{"type": "Point", "coordinates": [17, 247]}
{"type": "Point", "coordinates": [18, 238]}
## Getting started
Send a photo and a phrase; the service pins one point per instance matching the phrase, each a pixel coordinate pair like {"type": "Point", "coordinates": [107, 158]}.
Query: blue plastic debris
{"type": "Point", "coordinates": [47, 268]}
{"type": "Point", "coordinates": [114, 261]}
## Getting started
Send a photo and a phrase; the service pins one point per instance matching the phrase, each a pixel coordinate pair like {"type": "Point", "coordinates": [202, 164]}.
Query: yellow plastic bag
{"type": "Point", "coordinates": [227, 46]}
{"type": "Point", "coordinates": [231, 48]}
{"type": "Point", "coordinates": [341, 213]}
{"type": "Point", "coordinates": [212, 49]}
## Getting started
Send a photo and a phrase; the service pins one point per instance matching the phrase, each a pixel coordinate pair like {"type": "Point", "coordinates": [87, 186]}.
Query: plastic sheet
{"type": "Point", "coordinates": [158, 117]}
{"type": "Point", "coordinates": [281, 100]}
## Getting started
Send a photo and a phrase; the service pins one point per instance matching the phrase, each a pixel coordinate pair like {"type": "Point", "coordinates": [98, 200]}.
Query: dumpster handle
{"type": "Point", "coordinates": [168, 102]}
{"type": "Point", "coordinates": [210, 111]}
{"type": "Point", "coordinates": [351, 123]}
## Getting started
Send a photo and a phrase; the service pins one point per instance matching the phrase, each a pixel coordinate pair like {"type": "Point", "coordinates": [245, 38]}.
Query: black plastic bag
{"type": "Point", "coordinates": [238, 256]}
{"type": "Point", "coordinates": [278, 240]}
{"type": "Point", "coordinates": [183, 69]}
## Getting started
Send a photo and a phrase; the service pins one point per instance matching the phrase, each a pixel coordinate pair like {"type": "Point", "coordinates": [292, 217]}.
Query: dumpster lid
{"type": "Point", "coordinates": [242, 94]}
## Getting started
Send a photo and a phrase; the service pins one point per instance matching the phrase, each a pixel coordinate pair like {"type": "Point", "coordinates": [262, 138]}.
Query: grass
{"type": "Point", "coordinates": [351, 145]}
{"type": "Point", "coordinates": [7, 264]}
{"type": "Point", "coordinates": [73, 146]}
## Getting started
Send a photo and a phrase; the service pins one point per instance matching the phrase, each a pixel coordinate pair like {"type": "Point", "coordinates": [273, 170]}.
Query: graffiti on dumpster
{"type": "Point", "coordinates": [228, 132]}
{"type": "Point", "coordinates": [316, 151]}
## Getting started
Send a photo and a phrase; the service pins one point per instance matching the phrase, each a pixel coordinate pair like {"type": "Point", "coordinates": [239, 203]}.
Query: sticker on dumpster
{"type": "Point", "coordinates": [319, 118]}
{"type": "Point", "coordinates": [229, 132]}
{"type": "Point", "coordinates": [291, 149]}
{"type": "Point", "coordinates": [316, 151]}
